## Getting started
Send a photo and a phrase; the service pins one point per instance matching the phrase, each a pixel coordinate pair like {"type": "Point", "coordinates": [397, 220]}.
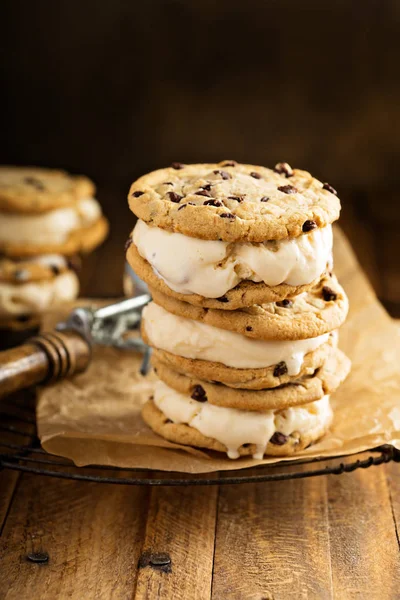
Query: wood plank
{"type": "Point", "coordinates": [364, 550]}
{"type": "Point", "coordinates": [91, 532]}
{"type": "Point", "coordinates": [272, 541]}
{"type": "Point", "coordinates": [8, 482]}
{"type": "Point", "coordinates": [181, 524]}
{"type": "Point", "coordinates": [18, 404]}
{"type": "Point", "coordinates": [393, 478]}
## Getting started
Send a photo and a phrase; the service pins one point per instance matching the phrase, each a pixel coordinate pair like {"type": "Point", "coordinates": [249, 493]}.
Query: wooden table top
{"type": "Point", "coordinates": [326, 537]}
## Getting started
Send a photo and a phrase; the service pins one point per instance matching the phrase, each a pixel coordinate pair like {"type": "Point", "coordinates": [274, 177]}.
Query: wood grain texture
{"type": "Point", "coordinates": [272, 541]}
{"type": "Point", "coordinates": [14, 405]}
{"type": "Point", "coordinates": [364, 550]}
{"type": "Point", "coordinates": [181, 523]}
{"type": "Point", "coordinates": [8, 482]}
{"type": "Point", "coordinates": [393, 479]}
{"type": "Point", "coordinates": [92, 534]}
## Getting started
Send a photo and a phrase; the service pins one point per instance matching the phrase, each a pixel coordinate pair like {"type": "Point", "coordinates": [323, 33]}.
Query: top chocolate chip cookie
{"type": "Point", "coordinates": [234, 202]}
{"type": "Point", "coordinates": [35, 190]}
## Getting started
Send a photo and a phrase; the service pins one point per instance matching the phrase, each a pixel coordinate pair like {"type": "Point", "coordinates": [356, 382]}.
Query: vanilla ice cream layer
{"type": "Point", "coordinates": [233, 427]}
{"type": "Point", "coordinates": [52, 227]}
{"type": "Point", "coordinates": [193, 339]}
{"type": "Point", "coordinates": [211, 268]}
{"type": "Point", "coordinates": [36, 297]}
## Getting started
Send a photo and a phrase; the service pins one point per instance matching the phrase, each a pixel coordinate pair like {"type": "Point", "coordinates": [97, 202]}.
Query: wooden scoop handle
{"type": "Point", "coordinates": [43, 359]}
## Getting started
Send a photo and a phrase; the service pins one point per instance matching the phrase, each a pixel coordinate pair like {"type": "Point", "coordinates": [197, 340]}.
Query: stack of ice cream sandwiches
{"type": "Point", "coordinates": [47, 218]}
{"type": "Point", "coordinates": [246, 309]}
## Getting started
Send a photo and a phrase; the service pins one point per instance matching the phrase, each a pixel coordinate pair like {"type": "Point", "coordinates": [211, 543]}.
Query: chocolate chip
{"type": "Point", "coordinates": [137, 194]}
{"type": "Point", "coordinates": [285, 303]}
{"type": "Point", "coordinates": [167, 421]}
{"type": "Point", "coordinates": [212, 202]}
{"type": "Point", "coordinates": [168, 183]}
{"type": "Point", "coordinates": [174, 197]}
{"type": "Point", "coordinates": [206, 187]}
{"type": "Point", "coordinates": [23, 318]}
{"type": "Point", "coordinates": [237, 198]}
{"type": "Point", "coordinates": [21, 275]}
{"type": "Point", "coordinates": [160, 559]}
{"type": "Point", "coordinates": [255, 175]}
{"type": "Point", "coordinates": [309, 225]}
{"type": "Point", "coordinates": [264, 199]}
{"type": "Point", "coordinates": [36, 183]}
{"type": "Point", "coordinates": [203, 193]}
{"type": "Point", "coordinates": [249, 328]}
{"type": "Point", "coordinates": [55, 269]}
{"type": "Point", "coordinates": [328, 294]}
{"type": "Point", "coordinates": [280, 369]}
{"type": "Point", "coordinates": [38, 557]}
{"type": "Point", "coordinates": [227, 216]}
{"type": "Point", "coordinates": [199, 394]}
{"type": "Point", "coordinates": [279, 438]}
{"type": "Point", "coordinates": [229, 163]}
{"type": "Point", "coordinates": [223, 174]}
{"type": "Point", "coordinates": [283, 168]}
{"type": "Point", "coordinates": [128, 243]}
{"type": "Point", "coordinates": [222, 299]}
{"type": "Point", "coordinates": [288, 189]}
{"type": "Point", "coordinates": [330, 189]}
{"type": "Point", "coordinates": [183, 205]}
{"type": "Point", "coordinates": [177, 165]}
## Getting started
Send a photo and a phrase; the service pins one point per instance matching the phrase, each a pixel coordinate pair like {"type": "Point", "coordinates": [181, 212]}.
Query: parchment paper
{"type": "Point", "coordinates": [95, 418]}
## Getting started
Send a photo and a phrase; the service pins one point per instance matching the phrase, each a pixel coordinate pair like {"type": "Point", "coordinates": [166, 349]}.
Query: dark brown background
{"type": "Point", "coordinates": [114, 88]}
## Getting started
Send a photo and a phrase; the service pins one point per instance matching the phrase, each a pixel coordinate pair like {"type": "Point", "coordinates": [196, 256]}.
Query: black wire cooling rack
{"type": "Point", "coordinates": [20, 450]}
